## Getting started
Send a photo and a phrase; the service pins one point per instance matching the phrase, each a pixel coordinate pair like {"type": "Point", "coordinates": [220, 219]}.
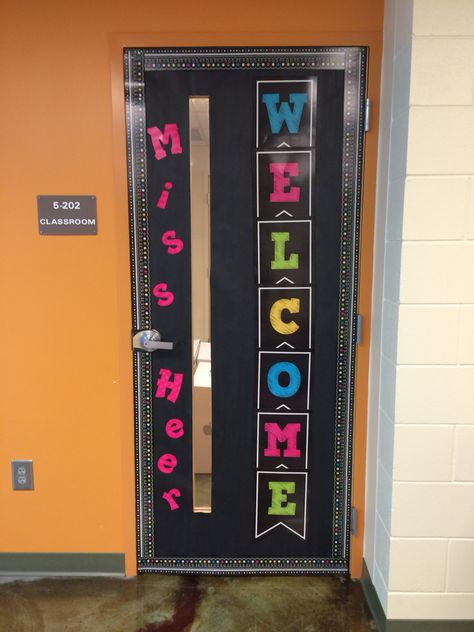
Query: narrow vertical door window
{"type": "Point", "coordinates": [201, 302]}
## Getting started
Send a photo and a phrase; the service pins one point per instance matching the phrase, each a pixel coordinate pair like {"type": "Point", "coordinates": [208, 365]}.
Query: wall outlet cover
{"type": "Point", "coordinates": [22, 475]}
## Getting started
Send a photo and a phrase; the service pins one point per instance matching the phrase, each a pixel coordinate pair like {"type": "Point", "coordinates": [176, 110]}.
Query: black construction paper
{"type": "Point", "coordinates": [230, 529]}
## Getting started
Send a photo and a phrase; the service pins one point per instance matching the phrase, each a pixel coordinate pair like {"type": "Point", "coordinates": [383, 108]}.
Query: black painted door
{"type": "Point", "coordinates": [285, 156]}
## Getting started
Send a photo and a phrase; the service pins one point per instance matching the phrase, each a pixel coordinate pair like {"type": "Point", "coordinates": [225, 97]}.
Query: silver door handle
{"type": "Point", "coordinates": [150, 340]}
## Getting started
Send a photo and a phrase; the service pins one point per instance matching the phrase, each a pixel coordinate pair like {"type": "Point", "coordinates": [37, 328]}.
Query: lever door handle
{"type": "Point", "coordinates": [150, 340]}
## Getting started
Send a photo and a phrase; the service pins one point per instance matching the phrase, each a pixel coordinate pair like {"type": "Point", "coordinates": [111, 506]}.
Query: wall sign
{"type": "Point", "coordinates": [286, 137]}
{"type": "Point", "coordinates": [67, 214]}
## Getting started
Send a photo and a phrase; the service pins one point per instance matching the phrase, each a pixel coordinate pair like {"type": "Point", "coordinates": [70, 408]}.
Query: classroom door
{"type": "Point", "coordinates": [244, 191]}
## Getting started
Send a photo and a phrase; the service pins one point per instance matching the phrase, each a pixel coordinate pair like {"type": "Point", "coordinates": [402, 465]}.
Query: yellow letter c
{"type": "Point", "coordinates": [293, 306]}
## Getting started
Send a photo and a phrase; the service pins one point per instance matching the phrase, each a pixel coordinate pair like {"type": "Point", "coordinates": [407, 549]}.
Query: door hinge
{"type": "Point", "coordinates": [353, 520]}
{"type": "Point", "coordinates": [358, 328]}
{"type": "Point", "coordinates": [367, 115]}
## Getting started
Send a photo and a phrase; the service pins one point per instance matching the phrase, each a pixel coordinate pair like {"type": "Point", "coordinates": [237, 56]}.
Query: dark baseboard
{"type": "Point", "coordinates": [405, 625]}
{"type": "Point", "coordinates": [61, 563]}
{"type": "Point", "coordinates": [372, 599]}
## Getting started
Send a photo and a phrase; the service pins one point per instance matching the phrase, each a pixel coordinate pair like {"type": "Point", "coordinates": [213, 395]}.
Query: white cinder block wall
{"type": "Point", "coordinates": [420, 488]}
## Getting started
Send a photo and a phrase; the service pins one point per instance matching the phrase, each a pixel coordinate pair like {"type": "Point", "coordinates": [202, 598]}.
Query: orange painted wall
{"type": "Point", "coordinates": [65, 371]}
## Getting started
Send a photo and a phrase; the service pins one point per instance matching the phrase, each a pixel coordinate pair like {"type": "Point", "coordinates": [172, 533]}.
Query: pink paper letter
{"type": "Point", "coordinates": [288, 434]}
{"type": "Point", "coordinates": [163, 199]}
{"type": "Point", "coordinates": [167, 463]}
{"type": "Point", "coordinates": [174, 244]}
{"type": "Point", "coordinates": [159, 138]}
{"type": "Point", "coordinates": [174, 428]}
{"type": "Point", "coordinates": [165, 298]}
{"type": "Point", "coordinates": [281, 181]}
{"type": "Point", "coordinates": [164, 383]}
{"type": "Point", "coordinates": [169, 496]}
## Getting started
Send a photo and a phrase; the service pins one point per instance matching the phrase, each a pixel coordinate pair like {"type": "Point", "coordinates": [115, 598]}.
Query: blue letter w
{"type": "Point", "coordinates": [292, 118]}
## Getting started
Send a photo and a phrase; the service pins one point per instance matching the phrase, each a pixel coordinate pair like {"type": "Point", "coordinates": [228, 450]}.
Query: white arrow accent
{"type": "Point", "coordinates": [284, 211]}
{"type": "Point", "coordinates": [286, 279]}
{"type": "Point", "coordinates": [281, 465]}
{"type": "Point", "coordinates": [287, 344]}
{"type": "Point", "coordinates": [283, 144]}
{"type": "Point", "coordinates": [283, 406]}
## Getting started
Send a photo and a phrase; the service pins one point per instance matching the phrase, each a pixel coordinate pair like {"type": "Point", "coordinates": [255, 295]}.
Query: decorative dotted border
{"type": "Point", "coordinates": [235, 59]}
{"type": "Point", "coordinates": [353, 60]}
{"type": "Point", "coordinates": [353, 136]}
{"type": "Point", "coordinates": [236, 566]}
{"type": "Point", "coordinates": [141, 312]}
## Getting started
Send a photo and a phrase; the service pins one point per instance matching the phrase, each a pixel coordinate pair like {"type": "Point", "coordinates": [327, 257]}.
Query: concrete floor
{"type": "Point", "coordinates": [165, 603]}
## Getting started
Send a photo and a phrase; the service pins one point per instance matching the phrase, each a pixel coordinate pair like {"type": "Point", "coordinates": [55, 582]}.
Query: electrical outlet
{"type": "Point", "coordinates": [22, 475]}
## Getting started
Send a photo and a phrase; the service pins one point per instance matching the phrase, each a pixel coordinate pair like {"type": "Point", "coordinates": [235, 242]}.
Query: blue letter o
{"type": "Point", "coordinates": [273, 379]}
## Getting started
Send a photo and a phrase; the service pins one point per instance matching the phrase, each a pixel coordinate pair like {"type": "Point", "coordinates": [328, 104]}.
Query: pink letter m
{"type": "Point", "coordinates": [159, 138]}
{"type": "Point", "coordinates": [288, 435]}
